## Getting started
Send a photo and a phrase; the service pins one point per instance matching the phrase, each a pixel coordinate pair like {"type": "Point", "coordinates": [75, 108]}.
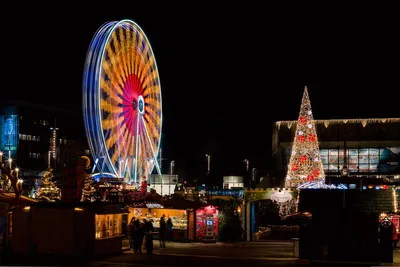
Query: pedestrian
{"type": "Point", "coordinates": [131, 228]}
{"type": "Point", "coordinates": [148, 231]}
{"type": "Point", "coordinates": [163, 231]}
{"type": "Point", "coordinates": [141, 237]}
{"type": "Point", "coordinates": [169, 229]}
{"type": "Point", "coordinates": [136, 237]}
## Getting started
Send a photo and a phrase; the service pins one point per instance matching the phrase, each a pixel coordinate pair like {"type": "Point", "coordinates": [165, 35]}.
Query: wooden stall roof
{"type": "Point", "coordinates": [97, 208]}
{"type": "Point", "coordinates": [10, 199]}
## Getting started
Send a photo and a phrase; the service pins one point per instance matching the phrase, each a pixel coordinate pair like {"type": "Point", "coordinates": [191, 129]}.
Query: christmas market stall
{"type": "Point", "coordinates": [207, 224]}
{"type": "Point", "coordinates": [85, 229]}
{"type": "Point", "coordinates": [191, 220]}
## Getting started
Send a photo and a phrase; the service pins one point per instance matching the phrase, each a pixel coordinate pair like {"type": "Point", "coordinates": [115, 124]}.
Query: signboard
{"type": "Point", "coordinates": [281, 197]}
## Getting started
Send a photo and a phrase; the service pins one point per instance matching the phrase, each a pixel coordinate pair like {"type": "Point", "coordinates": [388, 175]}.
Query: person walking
{"type": "Point", "coordinates": [131, 228]}
{"type": "Point", "coordinates": [148, 231]}
{"type": "Point", "coordinates": [140, 237]}
{"type": "Point", "coordinates": [163, 231]}
{"type": "Point", "coordinates": [169, 230]}
{"type": "Point", "coordinates": [136, 237]}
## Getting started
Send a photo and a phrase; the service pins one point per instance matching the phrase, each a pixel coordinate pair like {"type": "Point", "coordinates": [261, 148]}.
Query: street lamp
{"type": "Point", "coordinates": [208, 163]}
{"type": "Point", "coordinates": [247, 164]}
{"type": "Point", "coordinates": [171, 169]}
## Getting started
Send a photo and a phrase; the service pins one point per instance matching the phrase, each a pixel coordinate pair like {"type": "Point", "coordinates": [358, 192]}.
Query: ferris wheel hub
{"type": "Point", "coordinates": [141, 104]}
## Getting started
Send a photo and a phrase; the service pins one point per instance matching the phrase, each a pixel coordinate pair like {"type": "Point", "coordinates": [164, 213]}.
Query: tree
{"type": "Point", "coordinates": [305, 162]}
{"type": "Point", "coordinates": [48, 191]}
{"type": "Point", "coordinates": [229, 223]}
{"type": "Point", "coordinates": [88, 190]}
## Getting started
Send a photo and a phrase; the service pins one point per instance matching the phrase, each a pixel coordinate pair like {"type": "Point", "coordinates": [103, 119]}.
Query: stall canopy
{"type": "Point", "coordinates": [181, 203]}
{"type": "Point", "coordinates": [10, 199]}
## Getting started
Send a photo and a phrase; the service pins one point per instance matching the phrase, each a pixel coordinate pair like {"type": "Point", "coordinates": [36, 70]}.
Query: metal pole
{"type": "Point", "coordinates": [170, 174]}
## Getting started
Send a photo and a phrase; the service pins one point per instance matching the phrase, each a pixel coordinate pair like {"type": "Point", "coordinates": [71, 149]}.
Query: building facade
{"type": "Point", "coordinates": [366, 147]}
{"type": "Point", "coordinates": [37, 137]}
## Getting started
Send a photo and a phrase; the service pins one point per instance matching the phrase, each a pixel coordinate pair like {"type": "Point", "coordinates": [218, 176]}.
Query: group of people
{"type": "Point", "coordinates": [139, 232]}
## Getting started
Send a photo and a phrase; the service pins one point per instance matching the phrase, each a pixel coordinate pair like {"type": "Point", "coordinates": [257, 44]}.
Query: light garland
{"type": "Point", "coordinates": [364, 122]}
{"type": "Point", "coordinates": [305, 162]}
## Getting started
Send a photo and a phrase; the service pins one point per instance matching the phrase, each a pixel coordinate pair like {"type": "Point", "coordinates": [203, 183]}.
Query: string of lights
{"type": "Point", "coordinates": [305, 162]}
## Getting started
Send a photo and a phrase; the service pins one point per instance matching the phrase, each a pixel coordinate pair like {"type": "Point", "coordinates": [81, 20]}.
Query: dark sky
{"type": "Point", "coordinates": [227, 73]}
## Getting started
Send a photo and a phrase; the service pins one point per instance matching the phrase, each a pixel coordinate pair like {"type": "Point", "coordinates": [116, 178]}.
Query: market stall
{"type": "Point", "coordinates": [86, 229]}
{"type": "Point", "coordinates": [178, 217]}
{"type": "Point", "coordinates": [207, 224]}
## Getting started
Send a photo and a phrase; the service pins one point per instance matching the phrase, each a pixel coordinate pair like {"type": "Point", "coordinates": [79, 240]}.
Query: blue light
{"type": "Point", "coordinates": [364, 187]}
{"type": "Point", "coordinates": [377, 187]}
{"type": "Point", "coordinates": [9, 134]}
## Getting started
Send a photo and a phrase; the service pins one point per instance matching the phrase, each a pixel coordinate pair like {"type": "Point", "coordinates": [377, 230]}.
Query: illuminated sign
{"type": "Point", "coordinates": [9, 134]}
{"type": "Point", "coordinates": [281, 197]}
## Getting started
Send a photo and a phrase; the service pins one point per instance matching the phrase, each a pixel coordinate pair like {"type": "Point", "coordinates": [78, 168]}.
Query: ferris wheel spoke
{"type": "Point", "coordinates": [154, 156]}
{"type": "Point", "coordinates": [136, 148]}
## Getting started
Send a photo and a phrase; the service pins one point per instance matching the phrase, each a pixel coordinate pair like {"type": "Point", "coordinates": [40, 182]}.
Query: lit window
{"type": "Point", "coordinates": [87, 151]}
{"type": "Point", "coordinates": [38, 138]}
{"type": "Point", "coordinates": [29, 137]}
{"type": "Point", "coordinates": [33, 138]}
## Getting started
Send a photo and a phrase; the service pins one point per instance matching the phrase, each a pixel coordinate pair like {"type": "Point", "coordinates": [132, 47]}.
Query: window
{"type": "Point", "coordinates": [34, 155]}
{"type": "Point", "coordinates": [108, 225]}
{"type": "Point", "coordinates": [87, 151]}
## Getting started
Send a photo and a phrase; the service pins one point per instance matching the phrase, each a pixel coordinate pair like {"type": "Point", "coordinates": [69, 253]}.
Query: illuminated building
{"type": "Point", "coordinates": [39, 136]}
{"type": "Point", "coordinates": [365, 147]}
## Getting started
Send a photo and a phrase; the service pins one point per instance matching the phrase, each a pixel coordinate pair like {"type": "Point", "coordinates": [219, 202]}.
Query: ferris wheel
{"type": "Point", "coordinates": [122, 102]}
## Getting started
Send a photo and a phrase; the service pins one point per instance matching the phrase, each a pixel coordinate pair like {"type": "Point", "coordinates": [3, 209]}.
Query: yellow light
{"type": "Point", "coordinates": [78, 209]}
{"type": "Point", "coordinates": [27, 208]}
{"type": "Point", "coordinates": [394, 200]}
{"type": "Point", "coordinates": [239, 209]}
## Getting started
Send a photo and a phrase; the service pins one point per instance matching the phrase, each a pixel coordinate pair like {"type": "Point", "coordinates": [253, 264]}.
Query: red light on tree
{"type": "Point", "coordinates": [303, 159]}
{"type": "Point", "coordinates": [303, 120]}
{"type": "Point", "coordinates": [301, 138]}
{"type": "Point", "coordinates": [295, 167]}
{"type": "Point", "coordinates": [316, 172]}
{"type": "Point", "coordinates": [312, 138]}
{"type": "Point", "coordinates": [310, 178]}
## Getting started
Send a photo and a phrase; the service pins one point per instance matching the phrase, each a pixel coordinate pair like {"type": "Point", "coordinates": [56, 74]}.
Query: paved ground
{"type": "Point", "coordinates": [247, 254]}
{"type": "Point", "coordinates": [219, 254]}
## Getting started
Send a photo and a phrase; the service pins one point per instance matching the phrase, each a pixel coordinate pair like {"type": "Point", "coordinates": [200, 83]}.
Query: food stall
{"type": "Point", "coordinates": [153, 212]}
{"type": "Point", "coordinates": [86, 229]}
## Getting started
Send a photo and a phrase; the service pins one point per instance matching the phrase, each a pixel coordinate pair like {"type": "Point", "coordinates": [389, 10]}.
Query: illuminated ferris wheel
{"type": "Point", "coordinates": [122, 102]}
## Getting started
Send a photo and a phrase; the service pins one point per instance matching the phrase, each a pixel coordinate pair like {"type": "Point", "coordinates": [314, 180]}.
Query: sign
{"type": "Point", "coordinates": [281, 197]}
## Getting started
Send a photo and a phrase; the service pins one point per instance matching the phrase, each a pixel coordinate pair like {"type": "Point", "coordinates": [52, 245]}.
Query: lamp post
{"type": "Point", "coordinates": [171, 169]}
{"type": "Point", "coordinates": [246, 174]}
{"type": "Point", "coordinates": [208, 163]}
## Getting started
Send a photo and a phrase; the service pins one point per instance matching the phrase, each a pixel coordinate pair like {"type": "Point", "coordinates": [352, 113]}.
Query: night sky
{"type": "Point", "coordinates": [227, 73]}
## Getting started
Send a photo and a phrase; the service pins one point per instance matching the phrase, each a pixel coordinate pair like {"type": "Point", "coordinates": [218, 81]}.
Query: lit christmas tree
{"type": "Point", "coordinates": [305, 162]}
{"type": "Point", "coordinates": [88, 190]}
{"type": "Point", "coordinates": [48, 192]}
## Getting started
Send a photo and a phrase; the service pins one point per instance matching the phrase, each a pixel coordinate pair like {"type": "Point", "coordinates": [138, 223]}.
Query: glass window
{"type": "Point", "coordinates": [364, 168]}
{"type": "Point", "coordinates": [108, 225]}
{"type": "Point", "coordinates": [324, 159]}
{"type": "Point", "coordinates": [373, 151]}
